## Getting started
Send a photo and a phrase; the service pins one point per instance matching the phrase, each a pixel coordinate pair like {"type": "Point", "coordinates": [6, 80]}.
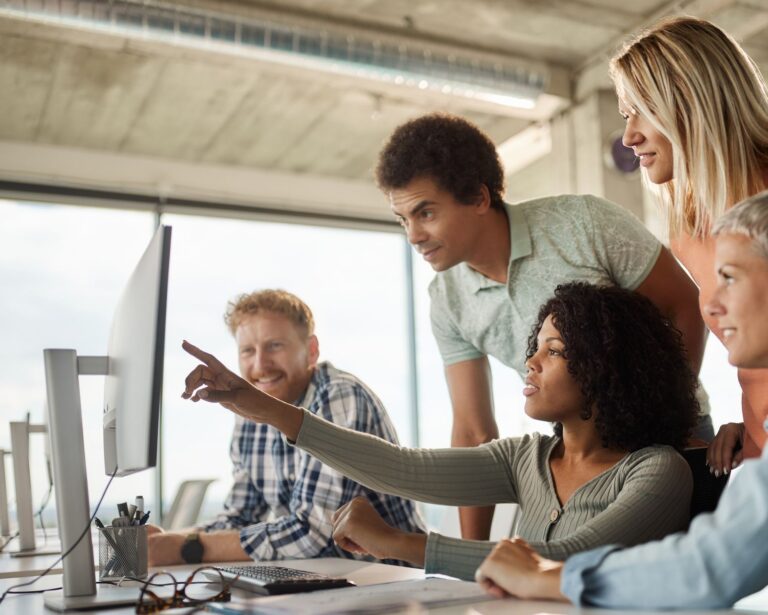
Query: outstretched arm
{"type": "Point", "coordinates": [468, 476]}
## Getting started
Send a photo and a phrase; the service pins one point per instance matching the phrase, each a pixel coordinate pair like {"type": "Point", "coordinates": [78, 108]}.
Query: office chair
{"type": "Point", "coordinates": [707, 487]}
{"type": "Point", "coordinates": [186, 504]}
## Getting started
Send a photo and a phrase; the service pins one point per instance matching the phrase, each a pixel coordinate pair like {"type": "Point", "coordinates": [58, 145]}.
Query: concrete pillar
{"type": "Point", "coordinates": [579, 161]}
{"type": "Point", "coordinates": [596, 125]}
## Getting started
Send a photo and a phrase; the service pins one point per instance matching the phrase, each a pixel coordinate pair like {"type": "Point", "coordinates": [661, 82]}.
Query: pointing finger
{"type": "Point", "coordinates": [203, 356]}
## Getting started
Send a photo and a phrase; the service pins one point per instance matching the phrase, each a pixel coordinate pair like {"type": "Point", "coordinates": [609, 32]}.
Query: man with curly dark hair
{"type": "Point", "coordinates": [598, 481]}
{"type": "Point", "coordinates": [496, 264]}
{"type": "Point", "coordinates": [724, 555]}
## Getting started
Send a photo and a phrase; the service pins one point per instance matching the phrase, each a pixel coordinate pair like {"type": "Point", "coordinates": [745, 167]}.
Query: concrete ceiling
{"type": "Point", "coordinates": [101, 92]}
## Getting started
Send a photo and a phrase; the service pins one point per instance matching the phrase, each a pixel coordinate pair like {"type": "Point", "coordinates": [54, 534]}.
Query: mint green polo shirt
{"type": "Point", "coordinates": [553, 240]}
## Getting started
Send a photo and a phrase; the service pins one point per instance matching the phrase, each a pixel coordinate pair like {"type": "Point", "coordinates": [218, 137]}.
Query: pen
{"type": "Point", "coordinates": [122, 509]}
{"type": "Point", "coordinates": [144, 518]}
{"type": "Point", "coordinates": [136, 520]}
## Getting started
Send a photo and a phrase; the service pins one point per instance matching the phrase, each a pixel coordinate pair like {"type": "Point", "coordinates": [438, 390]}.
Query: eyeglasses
{"type": "Point", "coordinates": [162, 591]}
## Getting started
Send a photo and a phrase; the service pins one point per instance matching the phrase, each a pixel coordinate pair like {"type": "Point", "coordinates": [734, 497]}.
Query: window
{"type": "Point", "coordinates": [722, 385]}
{"type": "Point", "coordinates": [62, 270]}
{"type": "Point", "coordinates": [66, 267]}
{"type": "Point", "coordinates": [354, 282]}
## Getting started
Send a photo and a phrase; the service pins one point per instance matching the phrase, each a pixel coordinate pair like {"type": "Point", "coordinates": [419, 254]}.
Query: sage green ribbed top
{"type": "Point", "coordinates": [645, 496]}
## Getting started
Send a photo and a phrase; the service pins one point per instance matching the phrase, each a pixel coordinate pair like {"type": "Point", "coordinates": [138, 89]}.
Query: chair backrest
{"type": "Point", "coordinates": [707, 487]}
{"type": "Point", "coordinates": [186, 504]}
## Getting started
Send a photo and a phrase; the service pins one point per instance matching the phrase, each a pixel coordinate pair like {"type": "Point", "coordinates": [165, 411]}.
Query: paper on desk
{"type": "Point", "coordinates": [364, 600]}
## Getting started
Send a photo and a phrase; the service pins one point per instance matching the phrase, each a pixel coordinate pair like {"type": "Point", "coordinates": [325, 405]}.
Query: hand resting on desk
{"type": "Point", "coordinates": [164, 548]}
{"type": "Point", "coordinates": [513, 568]}
{"type": "Point", "coordinates": [218, 546]}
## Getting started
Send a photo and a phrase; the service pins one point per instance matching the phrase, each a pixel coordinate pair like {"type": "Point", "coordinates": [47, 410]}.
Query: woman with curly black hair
{"type": "Point", "coordinates": [603, 365]}
{"type": "Point", "coordinates": [628, 362]}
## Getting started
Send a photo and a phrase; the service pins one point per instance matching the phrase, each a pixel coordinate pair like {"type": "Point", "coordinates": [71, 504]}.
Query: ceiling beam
{"type": "Point", "coordinates": [167, 180]}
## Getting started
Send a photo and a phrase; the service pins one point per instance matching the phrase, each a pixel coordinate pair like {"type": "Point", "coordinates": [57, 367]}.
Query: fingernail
{"type": "Point", "coordinates": [717, 473]}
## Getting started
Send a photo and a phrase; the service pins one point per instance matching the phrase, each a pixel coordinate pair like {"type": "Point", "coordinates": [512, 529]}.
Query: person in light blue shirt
{"type": "Point", "coordinates": [724, 555]}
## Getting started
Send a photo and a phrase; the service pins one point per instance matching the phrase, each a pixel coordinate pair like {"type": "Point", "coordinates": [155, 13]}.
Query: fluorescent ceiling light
{"type": "Point", "coordinates": [364, 55]}
{"type": "Point", "coordinates": [525, 147]}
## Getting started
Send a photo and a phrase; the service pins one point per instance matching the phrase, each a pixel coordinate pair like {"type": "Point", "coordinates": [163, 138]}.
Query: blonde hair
{"type": "Point", "coordinates": [748, 218]}
{"type": "Point", "coordinates": [699, 89]}
{"type": "Point", "coordinates": [278, 301]}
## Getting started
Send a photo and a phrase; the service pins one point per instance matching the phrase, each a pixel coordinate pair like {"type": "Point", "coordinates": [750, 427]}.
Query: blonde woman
{"type": "Point", "coordinates": [696, 109]}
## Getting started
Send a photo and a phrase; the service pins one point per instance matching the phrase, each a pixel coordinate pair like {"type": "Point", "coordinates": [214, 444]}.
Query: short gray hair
{"type": "Point", "coordinates": [750, 218]}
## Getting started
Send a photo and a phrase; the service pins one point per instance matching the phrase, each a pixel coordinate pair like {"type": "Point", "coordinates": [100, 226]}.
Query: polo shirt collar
{"type": "Point", "coordinates": [519, 233]}
{"type": "Point", "coordinates": [519, 244]}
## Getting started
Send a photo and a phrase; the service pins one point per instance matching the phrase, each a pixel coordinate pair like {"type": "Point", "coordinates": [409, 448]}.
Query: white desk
{"type": "Point", "coordinates": [15, 567]}
{"type": "Point", "coordinates": [367, 574]}
{"type": "Point", "coordinates": [360, 573]}
{"type": "Point", "coordinates": [31, 565]}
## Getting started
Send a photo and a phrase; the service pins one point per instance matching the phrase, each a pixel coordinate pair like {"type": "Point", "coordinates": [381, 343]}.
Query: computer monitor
{"type": "Point", "coordinates": [134, 373]}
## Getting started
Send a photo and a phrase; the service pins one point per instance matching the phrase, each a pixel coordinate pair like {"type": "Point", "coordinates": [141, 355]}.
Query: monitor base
{"type": "Point", "coordinates": [34, 552]}
{"type": "Point", "coordinates": [105, 597]}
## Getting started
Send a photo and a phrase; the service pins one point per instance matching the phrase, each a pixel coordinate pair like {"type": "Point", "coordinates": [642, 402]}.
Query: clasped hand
{"type": "Point", "coordinates": [359, 528]}
{"type": "Point", "coordinates": [513, 568]}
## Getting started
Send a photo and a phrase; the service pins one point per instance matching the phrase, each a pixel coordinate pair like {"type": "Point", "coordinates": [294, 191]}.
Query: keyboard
{"type": "Point", "coordinates": [275, 580]}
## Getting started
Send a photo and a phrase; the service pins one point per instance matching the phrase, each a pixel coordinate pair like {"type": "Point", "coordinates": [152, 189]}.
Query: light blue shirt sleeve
{"type": "Point", "coordinates": [451, 343]}
{"type": "Point", "coordinates": [623, 246]}
{"type": "Point", "coordinates": [722, 558]}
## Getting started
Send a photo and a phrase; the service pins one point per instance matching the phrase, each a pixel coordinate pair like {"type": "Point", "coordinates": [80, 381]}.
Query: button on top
{"type": "Point", "coordinates": [554, 515]}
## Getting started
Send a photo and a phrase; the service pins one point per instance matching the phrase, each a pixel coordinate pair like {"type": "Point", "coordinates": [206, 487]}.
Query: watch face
{"type": "Point", "coordinates": [192, 550]}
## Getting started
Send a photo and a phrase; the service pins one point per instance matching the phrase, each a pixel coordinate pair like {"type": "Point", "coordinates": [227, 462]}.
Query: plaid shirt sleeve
{"type": "Point", "coordinates": [318, 491]}
{"type": "Point", "coordinates": [245, 504]}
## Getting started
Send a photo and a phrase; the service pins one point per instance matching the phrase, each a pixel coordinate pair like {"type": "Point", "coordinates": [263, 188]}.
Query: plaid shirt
{"type": "Point", "coordinates": [282, 498]}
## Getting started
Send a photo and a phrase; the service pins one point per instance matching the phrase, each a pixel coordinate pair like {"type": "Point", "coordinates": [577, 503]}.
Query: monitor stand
{"type": "Point", "coordinates": [5, 524]}
{"type": "Point", "coordinates": [65, 423]}
{"type": "Point", "coordinates": [105, 596]}
{"type": "Point", "coordinates": [34, 552]}
{"type": "Point", "coordinates": [25, 516]}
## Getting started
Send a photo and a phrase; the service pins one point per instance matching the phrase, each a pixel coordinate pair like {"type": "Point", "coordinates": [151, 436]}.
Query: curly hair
{"type": "Point", "coordinates": [448, 149]}
{"type": "Point", "coordinates": [270, 300]}
{"type": "Point", "coordinates": [629, 361]}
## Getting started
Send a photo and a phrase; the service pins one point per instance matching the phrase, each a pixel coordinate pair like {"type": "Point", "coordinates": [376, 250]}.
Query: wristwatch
{"type": "Point", "coordinates": [192, 549]}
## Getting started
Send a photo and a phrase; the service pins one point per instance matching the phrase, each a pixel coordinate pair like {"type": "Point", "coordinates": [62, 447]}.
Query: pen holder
{"type": "Point", "coordinates": [123, 552]}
